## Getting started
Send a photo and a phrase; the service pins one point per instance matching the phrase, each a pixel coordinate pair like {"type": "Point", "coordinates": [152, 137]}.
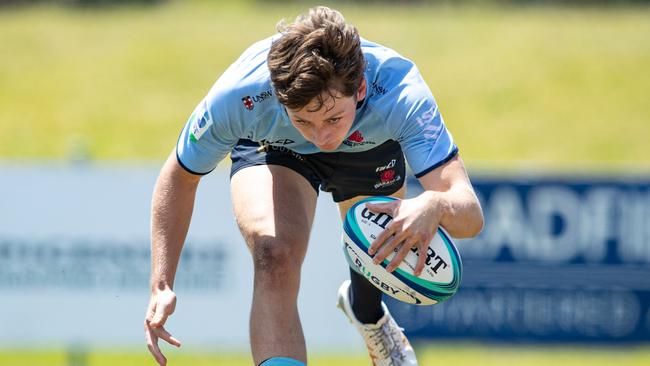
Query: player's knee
{"type": "Point", "coordinates": [276, 260]}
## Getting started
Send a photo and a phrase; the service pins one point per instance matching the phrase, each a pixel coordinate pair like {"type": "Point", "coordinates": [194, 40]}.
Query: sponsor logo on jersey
{"type": "Point", "coordinates": [276, 142]}
{"type": "Point", "coordinates": [387, 177]}
{"type": "Point", "coordinates": [357, 139]}
{"type": "Point", "coordinates": [199, 123]}
{"type": "Point", "coordinates": [378, 89]}
{"type": "Point", "coordinates": [266, 148]}
{"type": "Point", "coordinates": [430, 130]}
{"type": "Point", "coordinates": [259, 98]}
{"type": "Point", "coordinates": [248, 102]}
{"type": "Point", "coordinates": [391, 164]}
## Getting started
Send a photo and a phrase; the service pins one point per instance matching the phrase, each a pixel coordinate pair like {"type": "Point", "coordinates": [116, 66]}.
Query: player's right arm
{"type": "Point", "coordinates": [171, 211]}
{"type": "Point", "coordinates": [205, 140]}
{"type": "Point", "coordinates": [215, 126]}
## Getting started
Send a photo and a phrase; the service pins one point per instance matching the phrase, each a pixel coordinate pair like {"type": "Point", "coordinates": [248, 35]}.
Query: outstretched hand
{"type": "Point", "coordinates": [415, 222]}
{"type": "Point", "coordinates": [161, 306]}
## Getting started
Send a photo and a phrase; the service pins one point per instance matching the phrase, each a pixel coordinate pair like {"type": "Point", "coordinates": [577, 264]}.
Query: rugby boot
{"type": "Point", "coordinates": [386, 342]}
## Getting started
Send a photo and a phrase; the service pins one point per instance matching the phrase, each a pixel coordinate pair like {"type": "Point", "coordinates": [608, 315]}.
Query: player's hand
{"type": "Point", "coordinates": [415, 222]}
{"type": "Point", "coordinates": [161, 306]}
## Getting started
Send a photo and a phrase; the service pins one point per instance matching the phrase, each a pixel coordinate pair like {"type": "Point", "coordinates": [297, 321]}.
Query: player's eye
{"type": "Point", "coordinates": [334, 120]}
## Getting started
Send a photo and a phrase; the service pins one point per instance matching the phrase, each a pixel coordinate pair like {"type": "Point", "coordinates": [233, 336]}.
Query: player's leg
{"type": "Point", "coordinates": [376, 172]}
{"type": "Point", "coordinates": [274, 207]}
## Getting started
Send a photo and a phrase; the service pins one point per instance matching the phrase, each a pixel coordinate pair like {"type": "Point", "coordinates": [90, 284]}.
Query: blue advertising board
{"type": "Point", "coordinates": [559, 259]}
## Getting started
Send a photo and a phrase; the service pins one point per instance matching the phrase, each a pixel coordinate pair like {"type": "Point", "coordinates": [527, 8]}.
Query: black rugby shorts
{"type": "Point", "coordinates": [376, 172]}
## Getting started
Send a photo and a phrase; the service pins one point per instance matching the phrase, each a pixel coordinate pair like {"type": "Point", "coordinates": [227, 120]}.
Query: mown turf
{"type": "Point", "coordinates": [543, 86]}
{"type": "Point", "coordinates": [458, 355]}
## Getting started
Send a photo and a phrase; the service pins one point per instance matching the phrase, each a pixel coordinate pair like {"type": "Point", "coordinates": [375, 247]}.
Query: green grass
{"type": "Point", "coordinates": [470, 355]}
{"type": "Point", "coordinates": [545, 86]}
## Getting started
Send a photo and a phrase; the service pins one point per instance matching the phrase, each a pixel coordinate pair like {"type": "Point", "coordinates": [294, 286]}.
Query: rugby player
{"type": "Point", "coordinates": [314, 107]}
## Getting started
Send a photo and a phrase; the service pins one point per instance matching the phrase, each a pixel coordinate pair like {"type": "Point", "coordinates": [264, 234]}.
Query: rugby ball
{"type": "Point", "coordinates": [442, 272]}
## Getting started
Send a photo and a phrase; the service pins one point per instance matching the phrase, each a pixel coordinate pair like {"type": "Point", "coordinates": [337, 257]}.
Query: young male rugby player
{"type": "Point", "coordinates": [313, 107]}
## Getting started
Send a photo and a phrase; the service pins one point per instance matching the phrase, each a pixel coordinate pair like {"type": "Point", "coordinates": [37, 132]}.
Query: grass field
{"type": "Point", "coordinates": [466, 355]}
{"type": "Point", "coordinates": [544, 87]}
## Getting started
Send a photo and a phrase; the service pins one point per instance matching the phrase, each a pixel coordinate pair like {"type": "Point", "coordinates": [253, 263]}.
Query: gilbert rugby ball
{"type": "Point", "coordinates": [442, 272]}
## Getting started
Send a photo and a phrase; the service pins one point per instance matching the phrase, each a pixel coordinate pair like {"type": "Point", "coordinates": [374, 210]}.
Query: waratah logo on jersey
{"type": "Point", "coordinates": [200, 122]}
{"type": "Point", "coordinates": [387, 177]}
{"type": "Point", "coordinates": [248, 102]}
{"type": "Point", "coordinates": [357, 139]}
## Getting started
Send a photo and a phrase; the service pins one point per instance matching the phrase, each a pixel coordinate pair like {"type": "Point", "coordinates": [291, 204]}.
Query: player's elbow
{"type": "Point", "coordinates": [476, 225]}
{"type": "Point", "coordinates": [472, 225]}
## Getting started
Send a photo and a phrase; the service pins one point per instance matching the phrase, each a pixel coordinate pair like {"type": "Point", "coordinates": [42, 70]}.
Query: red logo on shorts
{"type": "Point", "coordinates": [356, 137]}
{"type": "Point", "coordinates": [387, 176]}
{"type": "Point", "coordinates": [248, 102]}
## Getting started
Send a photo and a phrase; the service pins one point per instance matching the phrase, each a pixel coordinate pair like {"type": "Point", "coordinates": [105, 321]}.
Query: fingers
{"type": "Point", "coordinates": [381, 240]}
{"type": "Point", "coordinates": [422, 249]}
{"type": "Point", "coordinates": [164, 335]}
{"type": "Point", "coordinates": [401, 244]}
{"type": "Point", "coordinates": [401, 254]}
{"type": "Point", "coordinates": [159, 318]}
{"type": "Point", "coordinates": [154, 324]}
{"type": "Point", "coordinates": [160, 308]}
{"type": "Point", "coordinates": [152, 335]}
{"type": "Point", "coordinates": [152, 345]}
{"type": "Point", "coordinates": [385, 207]}
{"type": "Point", "coordinates": [388, 247]}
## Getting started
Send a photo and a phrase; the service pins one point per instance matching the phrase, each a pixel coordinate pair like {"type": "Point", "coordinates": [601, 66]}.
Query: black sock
{"type": "Point", "coordinates": [365, 299]}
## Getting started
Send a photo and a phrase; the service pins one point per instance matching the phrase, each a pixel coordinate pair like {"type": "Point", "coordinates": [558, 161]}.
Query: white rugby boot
{"type": "Point", "coordinates": [387, 344]}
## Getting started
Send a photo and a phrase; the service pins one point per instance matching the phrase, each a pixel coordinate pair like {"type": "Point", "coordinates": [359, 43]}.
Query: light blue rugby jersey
{"type": "Point", "coordinates": [242, 105]}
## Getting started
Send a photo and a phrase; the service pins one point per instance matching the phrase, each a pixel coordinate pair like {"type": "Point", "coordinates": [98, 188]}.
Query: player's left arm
{"type": "Point", "coordinates": [448, 190]}
{"type": "Point", "coordinates": [448, 200]}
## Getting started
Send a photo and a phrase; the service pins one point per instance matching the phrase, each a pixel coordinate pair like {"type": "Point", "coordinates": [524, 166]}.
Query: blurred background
{"type": "Point", "coordinates": [547, 101]}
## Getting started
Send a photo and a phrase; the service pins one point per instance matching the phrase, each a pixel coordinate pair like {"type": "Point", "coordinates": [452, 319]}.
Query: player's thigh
{"type": "Point", "coordinates": [344, 206]}
{"type": "Point", "coordinates": [273, 205]}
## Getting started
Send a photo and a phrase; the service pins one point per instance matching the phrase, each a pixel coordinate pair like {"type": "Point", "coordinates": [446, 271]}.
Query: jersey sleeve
{"type": "Point", "coordinates": [206, 139]}
{"type": "Point", "coordinates": [419, 127]}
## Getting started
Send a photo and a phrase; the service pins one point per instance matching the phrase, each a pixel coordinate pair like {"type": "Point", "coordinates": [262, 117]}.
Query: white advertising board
{"type": "Point", "coordinates": [74, 262]}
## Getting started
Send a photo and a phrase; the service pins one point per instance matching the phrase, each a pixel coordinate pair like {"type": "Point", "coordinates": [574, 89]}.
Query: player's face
{"type": "Point", "coordinates": [329, 126]}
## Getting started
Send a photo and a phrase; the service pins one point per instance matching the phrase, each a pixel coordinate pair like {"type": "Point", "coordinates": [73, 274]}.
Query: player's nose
{"type": "Point", "coordinates": [322, 137]}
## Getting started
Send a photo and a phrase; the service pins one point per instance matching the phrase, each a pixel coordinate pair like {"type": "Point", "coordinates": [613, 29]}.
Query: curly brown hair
{"type": "Point", "coordinates": [317, 53]}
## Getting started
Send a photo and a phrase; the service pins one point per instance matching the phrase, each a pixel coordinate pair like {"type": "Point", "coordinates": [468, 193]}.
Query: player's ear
{"type": "Point", "coordinates": [361, 93]}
